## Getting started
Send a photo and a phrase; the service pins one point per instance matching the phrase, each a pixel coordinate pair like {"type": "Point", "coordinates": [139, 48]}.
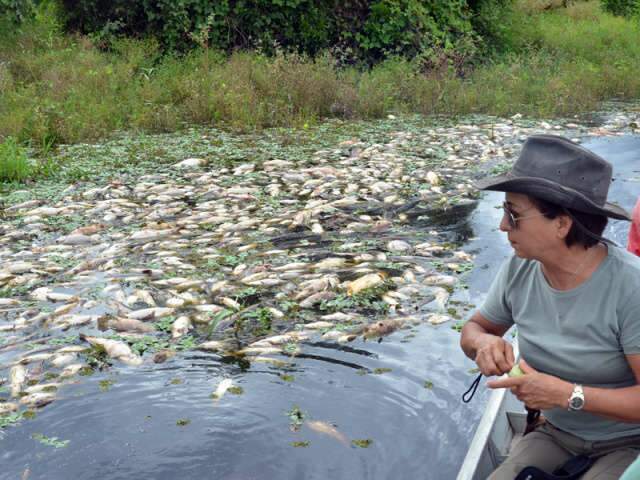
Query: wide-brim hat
{"type": "Point", "coordinates": [562, 172]}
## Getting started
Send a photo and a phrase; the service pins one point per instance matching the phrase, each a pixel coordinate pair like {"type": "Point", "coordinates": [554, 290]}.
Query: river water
{"type": "Point", "coordinates": [410, 410]}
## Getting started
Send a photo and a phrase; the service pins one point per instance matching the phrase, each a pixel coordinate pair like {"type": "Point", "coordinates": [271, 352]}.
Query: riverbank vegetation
{"type": "Point", "coordinates": [535, 57]}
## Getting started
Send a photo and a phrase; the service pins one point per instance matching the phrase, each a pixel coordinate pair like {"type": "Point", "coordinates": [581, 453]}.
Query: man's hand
{"type": "Point", "coordinates": [536, 390]}
{"type": "Point", "coordinates": [494, 355]}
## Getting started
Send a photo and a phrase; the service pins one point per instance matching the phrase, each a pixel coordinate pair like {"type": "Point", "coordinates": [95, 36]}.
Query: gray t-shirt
{"type": "Point", "coordinates": [579, 335]}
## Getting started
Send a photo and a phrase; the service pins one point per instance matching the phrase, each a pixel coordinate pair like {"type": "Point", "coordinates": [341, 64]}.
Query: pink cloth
{"type": "Point", "coordinates": [634, 231]}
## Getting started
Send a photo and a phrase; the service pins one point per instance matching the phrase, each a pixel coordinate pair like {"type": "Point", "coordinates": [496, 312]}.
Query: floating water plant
{"type": "Point", "coordinates": [50, 441]}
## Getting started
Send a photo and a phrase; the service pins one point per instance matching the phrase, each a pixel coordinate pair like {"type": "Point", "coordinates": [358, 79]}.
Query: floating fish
{"type": "Point", "coordinates": [222, 388]}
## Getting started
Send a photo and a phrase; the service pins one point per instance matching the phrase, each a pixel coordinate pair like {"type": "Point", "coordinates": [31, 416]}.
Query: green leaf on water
{"type": "Point", "coordinates": [296, 417]}
{"type": "Point", "coordinates": [10, 419]}
{"type": "Point", "coordinates": [286, 377]}
{"type": "Point", "coordinates": [380, 371]}
{"type": "Point", "coordinates": [235, 390]}
{"type": "Point", "coordinates": [50, 441]}
{"type": "Point", "coordinates": [428, 384]}
{"type": "Point", "coordinates": [183, 422]}
{"type": "Point", "coordinates": [105, 385]}
{"type": "Point", "coordinates": [304, 444]}
{"type": "Point", "coordinates": [362, 443]}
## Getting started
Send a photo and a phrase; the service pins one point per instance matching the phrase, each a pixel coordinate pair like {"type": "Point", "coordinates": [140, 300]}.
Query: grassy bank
{"type": "Point", "coordinates": [61, 89]}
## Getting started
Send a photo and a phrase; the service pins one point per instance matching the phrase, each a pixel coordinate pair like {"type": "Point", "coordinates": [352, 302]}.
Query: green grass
{"type": "Point", "coordinates": [57, 88]}
{"type": "Point", "coordinates": [14, 165]}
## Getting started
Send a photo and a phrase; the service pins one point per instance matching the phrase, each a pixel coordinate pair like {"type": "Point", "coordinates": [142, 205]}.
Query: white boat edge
{"type": "Point", "coordinates": [503, 419]}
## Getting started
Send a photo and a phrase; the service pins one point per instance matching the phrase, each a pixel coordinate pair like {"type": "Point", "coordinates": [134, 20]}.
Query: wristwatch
{"type": "Point", "coordinates": [576, 400]}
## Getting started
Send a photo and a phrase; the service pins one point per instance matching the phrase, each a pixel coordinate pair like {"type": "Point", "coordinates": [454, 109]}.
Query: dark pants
{"type": "Point", "coordinates": [548, 447]}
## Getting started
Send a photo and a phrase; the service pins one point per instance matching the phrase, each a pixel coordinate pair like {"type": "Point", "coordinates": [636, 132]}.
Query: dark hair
{"type": "Point", "coordinates": [594, 224]}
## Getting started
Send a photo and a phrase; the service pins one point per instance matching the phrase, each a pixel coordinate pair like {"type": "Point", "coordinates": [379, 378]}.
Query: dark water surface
{"type": "Point", "coordinates": [130, 431]}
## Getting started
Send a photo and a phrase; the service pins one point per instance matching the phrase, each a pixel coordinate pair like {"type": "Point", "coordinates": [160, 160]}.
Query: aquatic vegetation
{"type": "Point", "coordinates": [296, 418]}
{"type": "Point", "coordinates": [54, 442]}
{"type": "Point", "coordinates": [362, 443]}
{"type": "Point", "coordinates": [428, 384]}
{"type": "Point", "coordinates": [380, 371]}
{"type": "Point", "coordinates": [105, 385]}
{"type": "Point", "coordinates": [10, 419]}
{"type": "Point", "coordinates": [183, 422]}
{"type": "Point", "coordinates": [300, 444]}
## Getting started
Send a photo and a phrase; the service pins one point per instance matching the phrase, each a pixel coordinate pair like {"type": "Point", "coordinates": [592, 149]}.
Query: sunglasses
{"type": "Point", "coordinates": [513, 218]}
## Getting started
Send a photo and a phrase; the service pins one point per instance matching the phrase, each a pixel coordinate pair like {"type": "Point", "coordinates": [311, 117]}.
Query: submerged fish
{"type": "Point", "coordinates": [327, 429]}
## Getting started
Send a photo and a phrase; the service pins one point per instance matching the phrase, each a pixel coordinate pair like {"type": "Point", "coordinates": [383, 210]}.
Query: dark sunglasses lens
{"type": "Point", "coordinates": [510, 218]}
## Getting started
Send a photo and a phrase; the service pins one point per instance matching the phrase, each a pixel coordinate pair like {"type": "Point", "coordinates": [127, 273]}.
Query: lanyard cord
{"type": "Point", "coordinates": [468, 395]}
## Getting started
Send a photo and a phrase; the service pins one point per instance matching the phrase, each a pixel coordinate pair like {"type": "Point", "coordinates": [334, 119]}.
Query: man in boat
{"type": "Point", "coordinates": [575, 298]}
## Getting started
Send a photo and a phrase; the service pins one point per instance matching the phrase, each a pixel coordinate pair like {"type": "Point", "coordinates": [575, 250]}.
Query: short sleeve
{"type": "Point", "coordinates": [496, 307]}
{"type": "Point", "coordinates": [630, 334]}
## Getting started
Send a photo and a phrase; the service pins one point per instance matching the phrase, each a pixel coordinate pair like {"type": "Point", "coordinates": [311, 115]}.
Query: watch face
{"type": "Point", "coordinates": [576, 403]}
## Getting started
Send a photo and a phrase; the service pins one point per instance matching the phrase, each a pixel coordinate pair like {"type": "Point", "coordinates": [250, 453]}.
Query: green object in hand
{"type": "Point", "coordinates": [516, 371]}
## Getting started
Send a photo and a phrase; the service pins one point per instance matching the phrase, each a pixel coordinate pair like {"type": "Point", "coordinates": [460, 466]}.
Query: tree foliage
{"type": "Point", "coordinates": [354, 30]}
{"type": "Point", "coordinates": [16, 11]}
{"type": "Point", "coordinates": [623, 8]}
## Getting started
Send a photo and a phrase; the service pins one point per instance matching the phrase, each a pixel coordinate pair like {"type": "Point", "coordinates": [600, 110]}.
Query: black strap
{"type": "Point", "coordinates": [472, 389]}
{"type": "Point", "coordinates": [532, 420]}
{"type": "Point", "coordinates": [572, 469]}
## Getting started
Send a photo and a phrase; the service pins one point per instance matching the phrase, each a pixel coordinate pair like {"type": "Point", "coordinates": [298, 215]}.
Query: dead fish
{"type": "Point", "coordinates": [382, 328]}
{"type": "Point", "coordinates": [17, 377]}
{"type": "Point", "coordinates": [88, 229]}
{"type": "Point", "coordinates": [331, 263]}
{"type": "Point", "coordinates": [399, 246]}
{"type": "Point", "coordinates": [43, 387]}
{"type": "Point", "coordinates": [36, 357]}
{"type": "Point", "coordinates": [437, 318]}
{"type": "Point", "coordinates": [71, 349]}
{"type": "Point", "coordinates": [339, 317]}
{"type": "Point", "coordinates": [8, 407]}
{"type": "Point", "coordinates": [121, 324]}
{"type": "Point", "coordinates": [180, 326]}
{"type": "Point", "coordinates": [115, 349]}
{"type": "Point", "coordinates": [39, 399]}
{"type": "Point", "coordinates": [71, 370]}
{"type": "Point", "coordinates": [271, 361]}
{"type": "Point", "coordinates": [441, 280]}
{"type": "Point", "coordinates": [316, 298]}
{"type": "Point", "coordinates": [228, 302]}
{"type": "Point", "coordinates": [433, 178]}
{"type": "Point", "coordinates": [259, 350]}
{"type": "Point", "coordinates": [163, 355]}
{"type": "Point", "coordinates": [327, 429]}
{"type": "Point", "coordinates": [60, 360]}
{"type": "Point", "coordinates": [318, 325]}
{"type": "Point", "coordinates": [222, 388]}
{"type": "Point", "coordinates": [442, 297]}
{"type": "Point", "coordinates": [362, 283]}
{"type": "Point", "coordinates": [150, 313]}
{"type": "Point", "coordinates": [213, 346]}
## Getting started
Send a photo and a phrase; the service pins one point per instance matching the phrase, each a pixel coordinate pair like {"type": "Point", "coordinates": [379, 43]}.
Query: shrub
{"type": "Point", "coordinates": [622, 8]}
{"type": "Point", "coordinates": [14, 165]}
{"type": "Point", "coordinates": [358, 30]}
{"type": "Point", "coordinates": [16, 11]}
